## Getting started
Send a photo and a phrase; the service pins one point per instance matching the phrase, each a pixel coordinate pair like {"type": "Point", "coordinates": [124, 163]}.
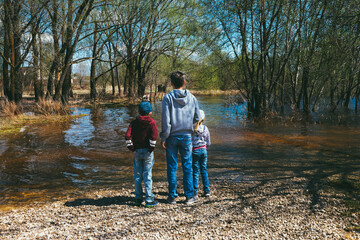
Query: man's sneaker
{"type": "Point", "coordinates": [191, 200]}
{"type": "Point", "coordinates": [151, 204]}
{"type": "Point", "coordinates": [207, 194]}
{"type": "Point", "coordinates": [138, 201]}
{"type": "Point", "coordinates": [171, 200]}
{"type": "Point", "coordinates": [196, 197]}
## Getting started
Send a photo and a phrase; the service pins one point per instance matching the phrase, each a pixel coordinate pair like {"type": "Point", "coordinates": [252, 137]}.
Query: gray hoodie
{"type": "Point", "coordinates": [180, 110]}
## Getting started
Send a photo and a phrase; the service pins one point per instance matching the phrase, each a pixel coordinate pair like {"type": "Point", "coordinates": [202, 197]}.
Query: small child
{"type": "Point", "coordinates": [200, 141]}
{"type": "Point", "coordinates": [141, 139]}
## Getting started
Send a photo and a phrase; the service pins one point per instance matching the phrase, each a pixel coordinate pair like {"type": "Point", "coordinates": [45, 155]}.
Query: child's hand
{"type": "Point", "coordinates": [163, 144]}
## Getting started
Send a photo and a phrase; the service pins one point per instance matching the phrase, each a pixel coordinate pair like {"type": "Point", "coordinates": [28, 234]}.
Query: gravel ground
{"type": "Point", "coordinates": [278, 209]}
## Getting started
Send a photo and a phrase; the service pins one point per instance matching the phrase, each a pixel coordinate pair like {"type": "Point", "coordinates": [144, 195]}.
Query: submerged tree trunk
{"type": "Point", "coordinates": [349, 88]}
{"type": "Point", "coordinates": [93, 93]}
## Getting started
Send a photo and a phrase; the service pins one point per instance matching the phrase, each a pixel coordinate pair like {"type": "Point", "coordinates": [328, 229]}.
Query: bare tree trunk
{"type": "Point", "coordinates": [118, 79]}
{"type": "Point", "coordinates": [349, 87]}
{"type": "Point", "coordinates": [357, 95]}
{"type": "Point", "coordinates": [305, 81]}
{"type": "Point", "coordinates": [117, 71]}
{"type": "Point", "coordinates": [12, 25]}
{"type": "Point", "coordinates": [54, 70]}
{"type": "Point", "coordinates": [93, 93]}
{"type": "Point", "coordinates": [140, 79]}
{"type": "Point", "coordinates": [6, 79]}
{"type": "Point", "coordinates": [72, 39]}
{"type": "Point", "coordinates": [126, 81]}
{"type": "Point", "coordinates": [41, 70]}
{"type": "Point", "coordinates": [35, 52]}
{"type": "Point", "coordinates": [66, 74]}
{"type": "Point", "coordinates": [112, 71]}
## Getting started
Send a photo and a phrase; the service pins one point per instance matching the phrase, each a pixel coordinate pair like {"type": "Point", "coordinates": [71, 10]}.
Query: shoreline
{"type": "Point", "coordinates": [267, 205]}
{"type": "Point", "coordinates": [277, 209]}
{"type": "Point", "coordinates": [12, 125]}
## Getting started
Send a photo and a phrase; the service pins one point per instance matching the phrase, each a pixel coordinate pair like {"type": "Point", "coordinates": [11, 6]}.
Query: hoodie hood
{"type": "Point", "coordinates": [180, 110]}
{"type": "Point", "coordinates": [144, 121]}
{"type": "Point", "coordinates": [181, 96]}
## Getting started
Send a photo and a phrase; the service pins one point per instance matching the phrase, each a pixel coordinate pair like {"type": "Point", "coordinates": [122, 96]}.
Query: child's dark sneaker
{"type": "Point", "coordinates": [171, 200]}
{"type": "Point", "coordinates": [207, 194]}
{"type": "Point", "coordinates": [151, 204]}
{"type": "Point", "coordinates": [191, 200]}
{"type": "Point", "coordinates": [138, 201]}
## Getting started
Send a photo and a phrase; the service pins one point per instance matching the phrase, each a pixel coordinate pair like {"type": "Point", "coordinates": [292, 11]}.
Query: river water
{"type": "Point", "coordinates": [58, 160]}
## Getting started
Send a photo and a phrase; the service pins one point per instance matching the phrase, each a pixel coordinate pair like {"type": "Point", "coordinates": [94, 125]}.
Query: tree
{"type": "Point", "coordinates": [17, 19]}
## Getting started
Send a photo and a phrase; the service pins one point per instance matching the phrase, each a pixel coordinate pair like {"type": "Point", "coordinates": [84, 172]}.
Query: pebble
{"type": "Point", "coordinates": [242, 210]}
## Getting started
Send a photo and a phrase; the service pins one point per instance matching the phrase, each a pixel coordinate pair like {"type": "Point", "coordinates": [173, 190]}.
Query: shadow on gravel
{"type": "Point", "coordinates": [266, 164]}
{"type": "Point", "coordinates": [106, 201]}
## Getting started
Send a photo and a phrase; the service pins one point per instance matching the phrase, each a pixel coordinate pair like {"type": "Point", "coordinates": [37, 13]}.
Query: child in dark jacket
{"type": "Point", "coordinates": [141, 139]}
{"type": "Point", "coordinates": [200, 141]}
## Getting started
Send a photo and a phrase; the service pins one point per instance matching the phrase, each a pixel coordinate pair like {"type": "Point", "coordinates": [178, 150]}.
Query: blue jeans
{"type": "Point", "coordinates": [143, 163]}
{"type": "Point", "coordinates": [199, 157]}
{"type": "Point", "coordinates": [183, 144]}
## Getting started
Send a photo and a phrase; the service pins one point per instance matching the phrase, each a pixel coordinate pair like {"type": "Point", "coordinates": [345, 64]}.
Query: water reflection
{"type": "Point", "coordinates": [81, 131]}
{"type": "Point", "coordinates": [46, 162]}
{"type": "Point", "coordinates": [220, 113]}
{"type": "Point", "coordinates": [3, 146]}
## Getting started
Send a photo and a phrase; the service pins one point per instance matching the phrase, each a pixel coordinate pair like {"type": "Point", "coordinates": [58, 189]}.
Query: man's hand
{"type": "Point", "coordinates": [163, 144]}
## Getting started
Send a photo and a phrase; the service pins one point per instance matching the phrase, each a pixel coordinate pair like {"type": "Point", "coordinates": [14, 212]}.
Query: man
{"type": "Point", "coordinates": [180, 110]}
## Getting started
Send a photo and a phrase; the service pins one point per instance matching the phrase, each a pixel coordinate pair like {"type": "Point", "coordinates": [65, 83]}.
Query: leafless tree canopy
{"type": "Point", "coordinates": [295, 53]}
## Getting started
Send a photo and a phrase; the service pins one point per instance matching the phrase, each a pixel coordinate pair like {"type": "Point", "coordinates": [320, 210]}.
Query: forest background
{"type": "Point", "coordinates": [300, 55]}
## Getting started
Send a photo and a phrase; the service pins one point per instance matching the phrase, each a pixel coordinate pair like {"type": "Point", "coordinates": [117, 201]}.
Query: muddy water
{"type": "Point", "coordinates": [56, 161]}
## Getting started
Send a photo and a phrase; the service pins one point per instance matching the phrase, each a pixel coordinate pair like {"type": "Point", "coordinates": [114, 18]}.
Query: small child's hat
{"type": "Point", "coordinates": [202, 115]}
{"type": "Point", "coordinates": [145, 108]}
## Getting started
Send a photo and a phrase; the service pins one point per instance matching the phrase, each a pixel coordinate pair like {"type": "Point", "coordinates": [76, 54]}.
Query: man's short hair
{"type": "Point", "coordinates": [177, 79]}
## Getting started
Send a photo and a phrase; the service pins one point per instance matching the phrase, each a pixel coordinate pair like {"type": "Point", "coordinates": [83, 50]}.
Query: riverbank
{"type": "Point", "coordinates": [67, 181]}
{"type": "Point", "coordinates": [13, 118]}
{"type": "Point", "coordinates": [277, 209]}
{"type": "Point", "coordinates": [18, 124]}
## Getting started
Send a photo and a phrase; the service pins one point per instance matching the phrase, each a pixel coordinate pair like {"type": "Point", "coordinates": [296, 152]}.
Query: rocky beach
{"type": "Point", "coordinates": [278, 209]}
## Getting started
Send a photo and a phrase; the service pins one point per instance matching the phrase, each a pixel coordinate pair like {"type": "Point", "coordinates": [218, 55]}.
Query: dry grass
{"type": "Point", "coordinates": [10, 109]}
{"type": "Point", "coordinates": [214, 92]}
{"type": "Point", "coordinates": [49, 107]}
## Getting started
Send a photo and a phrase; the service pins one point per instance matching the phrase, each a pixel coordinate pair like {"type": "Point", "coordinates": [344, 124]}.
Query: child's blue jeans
{"type": "Point", "coordinates": [199, 157]}
{"type": "Point", "coordinates": [182, 144]}
{"type": "Point", "coordinates": [143, 163]}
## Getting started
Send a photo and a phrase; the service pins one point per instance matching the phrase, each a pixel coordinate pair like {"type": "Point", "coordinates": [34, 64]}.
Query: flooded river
{"type": "Point", "coordinates": [56, 161]}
